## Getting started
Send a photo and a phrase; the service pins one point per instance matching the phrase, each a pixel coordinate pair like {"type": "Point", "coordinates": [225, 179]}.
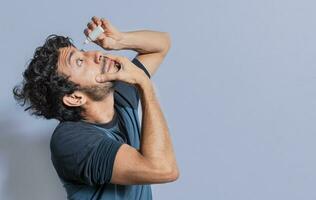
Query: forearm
{"type": "Point", "coordinates": [145, 41]}
{"type": "Point", "coordinates": [156, 145]}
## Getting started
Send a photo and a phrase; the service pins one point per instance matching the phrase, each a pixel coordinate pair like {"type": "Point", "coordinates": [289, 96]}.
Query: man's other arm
{"type": "Point", "coordinates": [155, 161]}
{"type": "Point", "coordinates": [152, 47]}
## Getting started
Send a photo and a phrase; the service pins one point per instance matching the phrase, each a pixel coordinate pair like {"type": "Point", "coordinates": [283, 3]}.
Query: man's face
{"type": "Point", "coordinates": [82, 68]}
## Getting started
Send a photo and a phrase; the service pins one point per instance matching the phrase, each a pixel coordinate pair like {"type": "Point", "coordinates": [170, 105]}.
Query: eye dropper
{"type": "Point", "coordinates": [94, 34]}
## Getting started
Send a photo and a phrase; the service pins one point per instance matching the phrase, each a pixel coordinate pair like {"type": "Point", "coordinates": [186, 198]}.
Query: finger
{"type": "Point", "coordinates": [119, 61]}
{"type": "Point", "coordinates": [87, 32]}
{"type": "Point", "coordinates": [91, 25]}
{"type": "Point", "coordinates": [96, 20]}
{"type": "Point", "coordinates": [105, 22]}
{"type": "Point", "coordinates": [106, 77]}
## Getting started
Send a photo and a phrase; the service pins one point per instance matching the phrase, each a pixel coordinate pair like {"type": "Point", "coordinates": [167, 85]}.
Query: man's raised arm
{"type": "Point", "coordinates": [152, 46]}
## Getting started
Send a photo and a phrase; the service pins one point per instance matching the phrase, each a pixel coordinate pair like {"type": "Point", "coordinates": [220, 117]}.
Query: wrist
{"type": "Point", "coordinates": [144, 84]}
{"type": "Point", "coordinates": [122, 43]}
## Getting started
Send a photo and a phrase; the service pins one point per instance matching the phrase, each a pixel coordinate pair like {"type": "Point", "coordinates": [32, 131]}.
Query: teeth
{"type": "Point", "coordinates": [108, 63]}
{"type": "Point", "coordinates": [108, 66]}
{"type": "Point", "coordinates": [103, 68]}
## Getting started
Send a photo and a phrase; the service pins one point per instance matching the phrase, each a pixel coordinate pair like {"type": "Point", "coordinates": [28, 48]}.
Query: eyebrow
{"type": "Point", "coordinates": [69, 57]}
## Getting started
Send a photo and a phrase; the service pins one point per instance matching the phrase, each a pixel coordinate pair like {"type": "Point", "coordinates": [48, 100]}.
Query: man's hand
{"type": "Point", "coordinates": [128, 72]}
{"type": "Point", "coordinates": [152, 46]}
{"type": "Point", "coordinates": [109, 40]}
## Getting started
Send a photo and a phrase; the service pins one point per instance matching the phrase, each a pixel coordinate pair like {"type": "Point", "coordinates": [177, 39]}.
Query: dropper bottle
{"type": "Point", "coordinates": [94, 34]}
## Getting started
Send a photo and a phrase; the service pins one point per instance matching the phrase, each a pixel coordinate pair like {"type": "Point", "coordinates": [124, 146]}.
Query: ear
{"type": "Point", "coordinates": [75, 99]}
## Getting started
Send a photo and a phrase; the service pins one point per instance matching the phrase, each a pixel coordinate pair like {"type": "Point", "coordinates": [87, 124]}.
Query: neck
{"type": "Point", "coordinates": [100, 111]}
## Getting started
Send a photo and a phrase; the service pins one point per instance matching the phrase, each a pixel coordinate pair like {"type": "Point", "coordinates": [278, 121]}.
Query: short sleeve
{"type": "Point", "coordinates": [128, 92]}
{"type": "Point", "coordinates": [140, 65]}
{"type": "Point", "coordinates": [83, 154]}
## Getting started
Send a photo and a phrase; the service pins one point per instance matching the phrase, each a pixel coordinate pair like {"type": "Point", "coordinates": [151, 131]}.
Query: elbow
{"type": "Point", "coordinates": [164, 171]}
{"type": "Point", "coordinates": [172, 175]}
{"type": "Point", "coordinates": [167, 43]}
{"type": "Point", "coordinates": [168, 40]}
{"type": "Point", "coordinates": [175, 175]}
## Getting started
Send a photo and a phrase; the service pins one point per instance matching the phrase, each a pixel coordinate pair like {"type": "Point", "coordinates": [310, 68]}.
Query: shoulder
{"type": "Point", "coordinates": [69, 128]}
{"type": "Point", "coordinates": [69, 136]}
{"type": "Point", "coordinates": [141, 66]}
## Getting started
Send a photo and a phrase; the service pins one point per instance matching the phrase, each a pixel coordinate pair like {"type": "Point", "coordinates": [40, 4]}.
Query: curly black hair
{"type": "Point", "coordinates": [43, 88]}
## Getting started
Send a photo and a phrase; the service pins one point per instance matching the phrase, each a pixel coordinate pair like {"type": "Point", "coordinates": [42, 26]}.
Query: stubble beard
{"type": "Point", "coordinates": [99, 92]}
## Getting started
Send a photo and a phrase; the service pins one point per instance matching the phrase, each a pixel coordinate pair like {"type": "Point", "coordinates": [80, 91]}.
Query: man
{"type": "Point", "coordinates": [98, 149]}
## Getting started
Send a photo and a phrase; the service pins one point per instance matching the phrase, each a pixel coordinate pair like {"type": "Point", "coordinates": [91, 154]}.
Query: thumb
{"type": "Point", "coordinates": [105, 22]}
{"type": "Point", "coordinates": [106, 77]}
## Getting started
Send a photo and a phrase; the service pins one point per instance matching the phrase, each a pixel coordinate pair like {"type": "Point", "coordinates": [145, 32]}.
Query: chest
{"type": "Point", "coordinates": [127, 130]}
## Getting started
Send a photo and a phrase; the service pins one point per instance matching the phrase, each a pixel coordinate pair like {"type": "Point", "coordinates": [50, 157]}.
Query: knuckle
{"type": "Point", "coordinates": [101, 78]}
{"type": "Point", "coordinates": [96, 20]}
{"type": "Point", "coordinates": [104, 20]}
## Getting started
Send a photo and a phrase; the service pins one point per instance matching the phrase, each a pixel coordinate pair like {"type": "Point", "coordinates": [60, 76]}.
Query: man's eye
{"type": "Point", "coordinates": [79, 62]}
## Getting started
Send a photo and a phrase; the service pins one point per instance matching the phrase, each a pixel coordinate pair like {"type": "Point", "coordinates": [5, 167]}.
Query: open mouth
{"type": "Point", "coordinates": [108, 64]}
{"type": "Point", "coordinates": [103, 65]}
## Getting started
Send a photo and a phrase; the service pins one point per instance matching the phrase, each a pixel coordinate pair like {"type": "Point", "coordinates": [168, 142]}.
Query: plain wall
{"type": "Point", "coordinates": [237, 89]}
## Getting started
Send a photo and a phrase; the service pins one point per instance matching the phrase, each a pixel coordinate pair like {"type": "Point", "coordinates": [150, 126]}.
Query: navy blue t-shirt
{"type": "Point", "coordinates": [83, 153]}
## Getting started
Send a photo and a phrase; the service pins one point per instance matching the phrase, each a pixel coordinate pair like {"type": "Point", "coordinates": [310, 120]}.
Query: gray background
{"type": "Point", "coordinates": [237, 90]}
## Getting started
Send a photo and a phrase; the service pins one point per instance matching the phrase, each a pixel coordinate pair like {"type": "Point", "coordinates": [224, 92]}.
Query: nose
{"type": "Point", "coordinates": [98, 57]}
